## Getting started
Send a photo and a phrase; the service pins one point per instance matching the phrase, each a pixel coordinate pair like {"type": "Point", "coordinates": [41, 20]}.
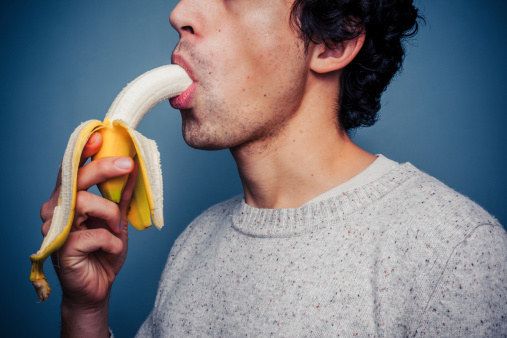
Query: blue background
{"type": "Point", "coordinates": [63, 62]}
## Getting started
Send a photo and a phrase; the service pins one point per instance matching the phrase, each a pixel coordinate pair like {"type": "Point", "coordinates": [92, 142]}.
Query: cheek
{"type": "Point", "coordinates": [251, 68]}
{"type": "Point", "coordinates": [261, 69]}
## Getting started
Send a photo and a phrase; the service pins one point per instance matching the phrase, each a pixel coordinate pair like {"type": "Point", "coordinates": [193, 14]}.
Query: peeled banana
{"type": "Point", "coordinates": [119, 138]}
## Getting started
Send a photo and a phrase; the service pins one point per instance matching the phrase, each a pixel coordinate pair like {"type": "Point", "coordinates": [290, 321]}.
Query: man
{"type": "Point", "coordinates": [327, 239]}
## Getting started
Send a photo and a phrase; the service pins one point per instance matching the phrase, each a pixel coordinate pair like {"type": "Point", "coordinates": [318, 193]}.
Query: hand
{"type": "Point", "coordinates": [96, 247]}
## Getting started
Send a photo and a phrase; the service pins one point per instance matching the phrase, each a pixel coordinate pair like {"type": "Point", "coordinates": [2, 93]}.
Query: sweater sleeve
{"type": "Point", "coordinates": [471, 296]}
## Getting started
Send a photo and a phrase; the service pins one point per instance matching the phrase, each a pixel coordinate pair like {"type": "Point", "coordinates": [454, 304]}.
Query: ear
{"type": "Point", "coordinates": [327, 59]}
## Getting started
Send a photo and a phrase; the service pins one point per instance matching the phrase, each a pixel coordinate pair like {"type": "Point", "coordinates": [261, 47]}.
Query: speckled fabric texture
{"type": "Point", "coordinates": [403, 255]}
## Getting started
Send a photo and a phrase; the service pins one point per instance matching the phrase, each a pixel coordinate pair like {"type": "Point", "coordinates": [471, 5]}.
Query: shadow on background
{"type": "Point", "coordinates": [63, 63]}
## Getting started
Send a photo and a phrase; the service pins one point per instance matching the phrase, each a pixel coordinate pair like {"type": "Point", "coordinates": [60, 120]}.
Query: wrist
{"type": "Point", "coordinates": [79, 320]}
{"type": "Point", "coordinates": [76, 305]}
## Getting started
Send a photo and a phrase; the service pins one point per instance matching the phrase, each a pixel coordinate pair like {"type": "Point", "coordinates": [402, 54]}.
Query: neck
{"type": "Point", "coordinates": [307, 156]}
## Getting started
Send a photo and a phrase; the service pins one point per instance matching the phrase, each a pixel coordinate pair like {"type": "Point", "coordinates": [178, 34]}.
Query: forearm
{"type": "Point", "coordinates": [84, 322]}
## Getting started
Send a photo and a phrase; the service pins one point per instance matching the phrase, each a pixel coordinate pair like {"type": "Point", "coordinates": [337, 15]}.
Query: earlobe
{"type": "Point", "coordinates": [326, 59]}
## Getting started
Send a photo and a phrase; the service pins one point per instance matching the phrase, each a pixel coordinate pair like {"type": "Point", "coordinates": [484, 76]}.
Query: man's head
{"type": "Point", "coordinates": [255, 61]}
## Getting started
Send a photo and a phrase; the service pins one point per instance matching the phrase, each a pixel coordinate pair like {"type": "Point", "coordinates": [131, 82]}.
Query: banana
{"type": "Point", "coordinates": [119, 139]}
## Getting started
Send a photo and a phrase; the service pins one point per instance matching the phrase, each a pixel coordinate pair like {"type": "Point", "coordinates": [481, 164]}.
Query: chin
{"type": "Point", "coordinates": [204, 145]}
{"type": "Point", "coordinates": [207, 135]}
{"type": "Point", "coordinates": [203, 141]}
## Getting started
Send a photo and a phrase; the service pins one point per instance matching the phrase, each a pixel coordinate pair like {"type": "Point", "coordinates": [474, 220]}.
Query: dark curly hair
{"type": "Point", "coordinates": [385, 23]}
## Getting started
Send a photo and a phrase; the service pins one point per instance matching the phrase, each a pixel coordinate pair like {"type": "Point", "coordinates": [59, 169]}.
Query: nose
{"type": "Point", "coordinates": [182, 18]}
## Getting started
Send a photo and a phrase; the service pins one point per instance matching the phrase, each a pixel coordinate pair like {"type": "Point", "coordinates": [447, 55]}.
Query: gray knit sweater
{"type": "Point", "coordinates": [401, 254]}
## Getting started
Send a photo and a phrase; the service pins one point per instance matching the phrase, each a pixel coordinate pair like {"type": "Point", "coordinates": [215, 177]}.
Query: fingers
{"type": "Point", "coordinates": [90, 205]}
{"type": "Point", "coordinates": [84, 242]}
{"type": "Point", "coordinates": [91, 147]}
{"type": "Point", "coordinates": [46, 211]}
{"type": "Point", "coordinates": [103, 169]}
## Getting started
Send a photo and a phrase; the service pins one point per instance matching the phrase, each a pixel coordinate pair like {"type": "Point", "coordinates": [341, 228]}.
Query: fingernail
{"type": "Point", "coordinates": [123, 163]}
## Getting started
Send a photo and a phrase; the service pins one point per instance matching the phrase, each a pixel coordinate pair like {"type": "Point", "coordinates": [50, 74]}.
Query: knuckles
{"type": "Point", "coordinates": [82, 202]}
{"type": "Point", "coordinates": [98, 171]}
{"type": "Point", "coordinates": [106, 168]}
{"type": "Point", "coordinates": [99, 235]}
{"type": "Point", "coordinates": [45, 211]}
{"type": "Point", "coordinates": [42, 214]}
{"type": "Point", "coordinates": [45, 228]}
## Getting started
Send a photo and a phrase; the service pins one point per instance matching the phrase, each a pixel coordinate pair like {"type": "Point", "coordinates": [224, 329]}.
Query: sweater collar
{"type": "Point", "coordinates": [289, 222]}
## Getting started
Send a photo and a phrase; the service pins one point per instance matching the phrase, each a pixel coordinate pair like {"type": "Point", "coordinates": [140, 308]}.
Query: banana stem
{"type": "Point", "coordinates": [39, 280]}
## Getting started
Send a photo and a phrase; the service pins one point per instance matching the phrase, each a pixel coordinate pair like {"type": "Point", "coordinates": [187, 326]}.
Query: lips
{"type": "Point", "coordinates": [184, 100]}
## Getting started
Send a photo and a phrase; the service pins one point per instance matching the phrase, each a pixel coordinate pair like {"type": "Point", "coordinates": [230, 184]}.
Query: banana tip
{"type": "Point", "coordinates": [42, 288]}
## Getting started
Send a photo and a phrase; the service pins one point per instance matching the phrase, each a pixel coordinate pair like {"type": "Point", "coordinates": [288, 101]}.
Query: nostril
{"type": "Point", "coordinates": [188, 29]}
